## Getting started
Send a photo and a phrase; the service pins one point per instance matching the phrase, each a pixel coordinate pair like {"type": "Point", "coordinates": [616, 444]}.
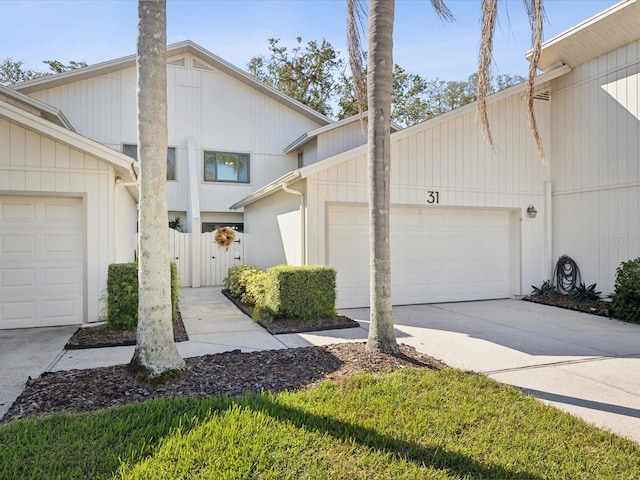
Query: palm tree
{"type": "Point", "coordinates": [378, 87]}
{"type": "Point", "coordinates": [156, 352]}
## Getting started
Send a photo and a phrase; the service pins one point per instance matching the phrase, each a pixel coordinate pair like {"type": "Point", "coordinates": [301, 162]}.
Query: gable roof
{"type": "Point", "coordinates": [605, 32]}
{"type": "Point", "coordinates": [124, 165]}
{"type": "Point", "coordinates": [308, 136]}
{"type": "Point", "coordinates": [179, 48]}
{"type": "Point", "coordinates": [304, 172]}
{"type": "Point", "coordinates": [35, 106]}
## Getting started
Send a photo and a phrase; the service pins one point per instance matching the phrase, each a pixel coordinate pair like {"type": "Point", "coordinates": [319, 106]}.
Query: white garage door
{"type": "Point", "coordinates": [437, 255]}
{"type": "Point", "coordinates": [41, 267]}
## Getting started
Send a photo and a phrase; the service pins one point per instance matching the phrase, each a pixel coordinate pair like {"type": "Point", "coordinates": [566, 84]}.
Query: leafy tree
{"type": "Point", "coordinates": [307, 74]}
{"type": "Point", "coordinates": [57, 66]}
{"type": "Point", "coordinates": [415, 99]}
{"type": "Point", "coordinates": [156, 352]}
{"type": "Point", "coordinates": [379, 100]}
{"type": "Point", "coordinates": [12, 71]}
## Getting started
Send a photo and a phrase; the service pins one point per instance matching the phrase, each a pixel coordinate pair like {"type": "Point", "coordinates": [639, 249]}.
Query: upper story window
{"type": "Point", "coordinates": [132, 151]}
{"type": "Point", "coordinates": [300, 160]}
{"type": "Point", "coordinates": [226, 167]}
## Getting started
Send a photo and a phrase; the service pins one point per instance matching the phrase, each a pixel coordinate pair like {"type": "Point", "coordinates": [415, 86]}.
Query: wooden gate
{"type": "Point", "coordinates": [213, 260]}
{"type": "Point", "coordinates": [216, 260]}
{"type": "Point", "coordinates": [180, 252]}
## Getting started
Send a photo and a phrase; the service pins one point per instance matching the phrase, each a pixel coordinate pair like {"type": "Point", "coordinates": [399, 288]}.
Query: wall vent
{"type": "Point", "coordinates": [542, 95]}
{"type": "Point", "coordinates": [200, 65]}
{"type": "Point", "coordinates": [178, 62]}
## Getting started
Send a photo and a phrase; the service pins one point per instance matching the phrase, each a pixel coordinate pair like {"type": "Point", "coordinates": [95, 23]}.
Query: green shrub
{"type": "Point", "coordinates": [546, 290]}
{"type": "Point", "coordinates": [582, 293]}
{"type": "Point", "coordinates": [236, 278]}
{"type": "Point", "coordinates": [301, 291]}
{"type": "Point", "coordinates": [626, 299]}
{"type": "Point", "coordinates": [255, 282]}
{"type": "Point", "coordinates": [122, 295]}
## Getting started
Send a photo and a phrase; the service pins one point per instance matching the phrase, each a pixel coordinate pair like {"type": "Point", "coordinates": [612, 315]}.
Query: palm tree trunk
{"type": "Point", "coordinates": [155, 352]}
{"type": "Point", "coordinates": [379, 86]}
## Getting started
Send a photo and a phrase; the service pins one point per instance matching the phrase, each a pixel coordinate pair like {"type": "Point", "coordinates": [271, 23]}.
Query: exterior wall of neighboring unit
{"type": "Point", "coordinates": [216, 111]}
{"type": "Point", "coordinates": [273, 225]}
{"type": "Point", "coordinates": [341, 139]}
{"type": "Point", "coordinates": [449, 157]}
{"type": "Point", "coordinates": [33, 165]}
{"type": "Point", "coordinates": [595, 164]}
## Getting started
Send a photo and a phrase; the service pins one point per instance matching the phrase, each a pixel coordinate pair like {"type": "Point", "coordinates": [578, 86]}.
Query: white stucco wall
{"type": "Point", "coordinates": [273, 226]}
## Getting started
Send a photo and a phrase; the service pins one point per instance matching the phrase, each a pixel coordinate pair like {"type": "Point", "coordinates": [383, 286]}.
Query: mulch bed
{"type": "Point", "coordinates": [102, 336]}
{"type": "Point", "coordinates": [594, 307]}
{"type": "Point", "coordinates": [293, 325]}
{"type": "Point", "coordinates": [228, 373]}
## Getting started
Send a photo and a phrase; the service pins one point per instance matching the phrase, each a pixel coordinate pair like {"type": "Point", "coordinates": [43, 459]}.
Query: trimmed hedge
{"type": "Point", "coordinates": [301, 291]}
{"type": "Point", "coordinates": [626, 299]}
{"type": "Point", "coordinates": [245, 283]}
{"type": "Point", "coordinates": [122, 295]}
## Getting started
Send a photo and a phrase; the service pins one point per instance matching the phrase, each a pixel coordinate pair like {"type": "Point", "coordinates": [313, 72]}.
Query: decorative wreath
{"type": "Point", "coordinates": [224, 236]}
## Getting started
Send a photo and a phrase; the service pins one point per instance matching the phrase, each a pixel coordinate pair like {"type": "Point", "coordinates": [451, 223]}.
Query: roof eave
{"type": "Point", "coordinates": [186, 46]}
{"type": "Point", "coordinates": [287, 179]}
{"type": "Point", "coordinates": [70, 138]}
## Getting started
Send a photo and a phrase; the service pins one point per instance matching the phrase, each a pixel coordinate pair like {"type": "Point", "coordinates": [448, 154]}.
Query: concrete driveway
{"type": "Point", "coordinates": [27, 353]}
{"type": "Point", "coordinates": [583, 364]}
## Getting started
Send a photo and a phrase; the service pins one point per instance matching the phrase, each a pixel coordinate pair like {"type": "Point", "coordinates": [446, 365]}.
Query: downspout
{"type": "Point", "coordinates": [119, 184]}
{"type": "Point", "coordinates": [303, 221]}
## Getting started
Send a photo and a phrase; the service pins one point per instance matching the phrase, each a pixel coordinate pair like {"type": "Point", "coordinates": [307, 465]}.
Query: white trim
{"type": "Point", "coordinates": [179, 48]}
{"type": "Point", "coordinates": [69, 138]}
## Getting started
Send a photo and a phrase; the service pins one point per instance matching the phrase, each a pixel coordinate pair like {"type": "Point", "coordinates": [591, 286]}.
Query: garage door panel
{"type": "Point", "coordinates": [437, 255]}
{"type": "Point", "coordinates": [42, 262]}
{"type": "Point", "coordinates": [18, 211]}
{"type": "Point", "coordinates": [14, 244]}
{"type": "Point", "coordinates": [17, 277]}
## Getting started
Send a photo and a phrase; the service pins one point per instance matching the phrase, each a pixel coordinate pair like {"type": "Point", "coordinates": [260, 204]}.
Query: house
{"type": "Point", "coordinates": [462, 217]}
{"type": "Point", "coordinates": [469, 222]}
{"type": "Point", "coordinates": [228, 134]}
{"type": "Point", "coordinates": [67, 210]}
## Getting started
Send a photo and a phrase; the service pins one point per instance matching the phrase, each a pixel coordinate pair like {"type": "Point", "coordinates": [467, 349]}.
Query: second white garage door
{"type": "Point", "coordinates": [437, 255]}
{"type": "Point", "coordinates": [41, 266]}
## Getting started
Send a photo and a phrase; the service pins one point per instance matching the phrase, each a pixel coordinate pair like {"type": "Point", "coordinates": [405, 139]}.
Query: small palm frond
{"type": "Point", "coordinates": [489, 14]}
{"type": "Point", "coordinates": [536, 18]}
{"type": "Point", "coordinates": [442, 10]}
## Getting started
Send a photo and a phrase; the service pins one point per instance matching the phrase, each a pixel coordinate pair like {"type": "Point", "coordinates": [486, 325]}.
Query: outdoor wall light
{"type": "Point", "coordinates": [531, 211]}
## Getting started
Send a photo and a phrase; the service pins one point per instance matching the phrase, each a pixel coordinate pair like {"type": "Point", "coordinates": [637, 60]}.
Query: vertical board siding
{"type": "Point", "coordinates": [180, 253]}
{"type": "Point", "coordinates": [37, 165]}
{"type": "Point", "coordinates": [218, 111]}
{"type": "Point", "coordinates": [594, 165]}
{"type": "Point", "coordinates": [451, 158]}
{"type": "Point", "coordinates": [217, 260]}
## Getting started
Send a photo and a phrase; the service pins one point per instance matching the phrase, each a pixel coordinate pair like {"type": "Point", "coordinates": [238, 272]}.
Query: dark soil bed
{"type": "Point", "coordinates": [293, 325]}
{"type": "Point", "coordinates": [103, 336]}
{"type": "Point", "coordinates": [595, 307]}
{"type": "Point", "coordinates": [230, 373]}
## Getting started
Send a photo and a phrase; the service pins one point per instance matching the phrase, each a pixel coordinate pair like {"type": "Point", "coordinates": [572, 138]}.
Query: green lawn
{"type": "Point", "coordinates": [418, 424]}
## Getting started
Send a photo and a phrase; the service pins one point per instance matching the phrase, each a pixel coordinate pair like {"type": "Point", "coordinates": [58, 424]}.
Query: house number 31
{"type": "Point", "coordinates": [433, 197]}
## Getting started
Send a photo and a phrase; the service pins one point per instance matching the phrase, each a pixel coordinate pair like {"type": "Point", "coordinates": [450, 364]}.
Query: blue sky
{"type": "Point", "coordinates": [100, 30]}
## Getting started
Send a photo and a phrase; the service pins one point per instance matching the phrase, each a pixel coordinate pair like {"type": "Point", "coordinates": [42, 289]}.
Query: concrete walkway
{"type": "Point", "coordinates": [583, 364]}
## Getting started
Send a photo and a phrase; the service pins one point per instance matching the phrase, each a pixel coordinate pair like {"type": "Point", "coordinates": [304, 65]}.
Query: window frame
{"type": "Point", "coordinates": [125, 146]}
{"type": "Point", "coordinates": [215, 160]}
